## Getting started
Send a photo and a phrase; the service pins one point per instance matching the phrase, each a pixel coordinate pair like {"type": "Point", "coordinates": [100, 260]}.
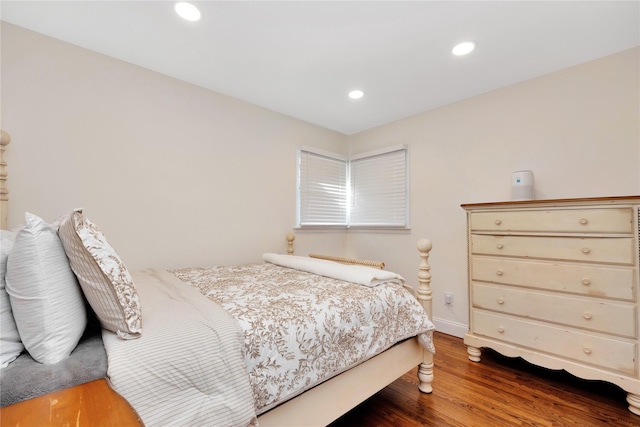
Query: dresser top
{"type": "Point", "coordinates": [544, 202]}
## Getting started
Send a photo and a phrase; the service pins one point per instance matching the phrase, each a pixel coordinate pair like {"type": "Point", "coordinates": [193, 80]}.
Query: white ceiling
{"type": "Point", "coordinates": [301, 58]}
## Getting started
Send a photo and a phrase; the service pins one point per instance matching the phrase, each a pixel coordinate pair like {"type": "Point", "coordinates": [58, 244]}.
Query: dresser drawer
{"type": "Point", "coordinates": [617, 250]}
{"type": "Point", "coordinates": [618, 220]}
{"type": "Point", "coordinates": [609, 353]}
{"type": "Point", "coordinates": [595, 281]}
{"type": "Point", "coordinates": [611, 318]}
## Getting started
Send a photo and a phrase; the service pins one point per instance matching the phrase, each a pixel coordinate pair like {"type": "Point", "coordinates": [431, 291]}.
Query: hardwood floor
{"type": "Point", "coordinates": [498, 391]}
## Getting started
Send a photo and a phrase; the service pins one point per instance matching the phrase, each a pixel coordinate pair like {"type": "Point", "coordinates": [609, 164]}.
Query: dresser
{"type": "Point", "coordinates": [556, 283]}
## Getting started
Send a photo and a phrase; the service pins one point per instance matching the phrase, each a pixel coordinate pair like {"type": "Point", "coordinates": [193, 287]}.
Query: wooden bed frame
{"type": "Point", "coordinates": [5, 139]}
{"type": "Point", "coordinates": [320, 405]}
{"type": "Point", "coordinates": [328, 401]}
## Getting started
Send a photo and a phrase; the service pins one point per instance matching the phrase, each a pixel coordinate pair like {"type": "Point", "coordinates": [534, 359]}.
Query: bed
{"type": "Point", "coordinates": [210, 346]}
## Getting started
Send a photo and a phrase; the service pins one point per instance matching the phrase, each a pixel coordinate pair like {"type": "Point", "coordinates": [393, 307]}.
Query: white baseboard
{"type": "Point", "coordinates": [450, 328]}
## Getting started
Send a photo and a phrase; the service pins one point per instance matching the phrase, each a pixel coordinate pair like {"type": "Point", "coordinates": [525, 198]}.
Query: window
{"type": "Point", "coordinates": [322, 189]}
{"type": "Point", "coordinates": [370, 190]}
{"type": "Point", "coordinates": [379, 189]}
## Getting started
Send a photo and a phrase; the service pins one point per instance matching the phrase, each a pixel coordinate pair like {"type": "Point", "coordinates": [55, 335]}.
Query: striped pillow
{"type": "Point", "coordinates": [103, 276]}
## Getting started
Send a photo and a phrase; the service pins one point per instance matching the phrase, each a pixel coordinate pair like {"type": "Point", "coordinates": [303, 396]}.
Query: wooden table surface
{"type": "Point", "coordinates": [90, 405]}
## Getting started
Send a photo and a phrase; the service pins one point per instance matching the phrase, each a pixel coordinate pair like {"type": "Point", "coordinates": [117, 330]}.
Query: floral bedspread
{"type": "Point", "coordinates": [301, 328]}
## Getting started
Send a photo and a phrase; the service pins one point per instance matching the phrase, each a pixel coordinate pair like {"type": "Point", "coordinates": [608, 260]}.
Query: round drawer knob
{"type": "Point", "coordinates": [499, 246]}
{"type": "Point", "coordinates": [586, 250]}
{"type": "Point", "coordinates": [500, 329]}
{"type": "Point", "coordinates": [586, 282]}
{"type": "Point", "coordinates": [500, 300]}
{"type": "Point", "coordinates": [498, 221]}
{"type": "Point", "coordinates": [587, 316]}
{"type": "Point", "coordinates": [586, 350]}
{"type": "Point", "coordinates": [584, 221]}
{"type": "Point", "coordinates": [499, 272]}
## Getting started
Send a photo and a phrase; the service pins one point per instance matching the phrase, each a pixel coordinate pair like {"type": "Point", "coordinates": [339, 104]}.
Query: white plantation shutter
{"type": "Point", "coordinates": [371, 190]}
{"type": "Point", "coordinates": [322, 189]}
{"type": "Point", "coordinates": [379, 189]}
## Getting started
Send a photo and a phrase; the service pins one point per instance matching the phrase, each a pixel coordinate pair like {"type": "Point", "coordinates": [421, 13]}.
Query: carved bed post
{"type": "Point", "coordinates": [290, 238]}
{"type": "Point", "coordinates": [425, 370]}
{"type": "Point", "coordinates": [5, 139]}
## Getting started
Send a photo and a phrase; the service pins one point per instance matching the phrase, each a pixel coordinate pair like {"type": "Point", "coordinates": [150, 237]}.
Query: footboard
{"type": "Point", "coordinates": [333, 398]}
{"type": "Point", "coordinates": [328, 401]}
{"type": "Point", "coordinates": [425, 297]}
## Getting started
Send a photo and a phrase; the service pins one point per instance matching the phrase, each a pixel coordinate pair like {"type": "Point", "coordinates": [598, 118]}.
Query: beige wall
{"type": "Point", "coordinates": [174, 174]}
{"type": "Point", "coordinates": [178, 175]}
{"type": "Point", "coordinates": [577, 130]}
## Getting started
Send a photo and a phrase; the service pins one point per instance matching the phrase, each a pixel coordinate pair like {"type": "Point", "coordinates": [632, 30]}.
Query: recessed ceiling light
{"type": "Point", "coordinates": [463, 48]}
{"type": "Point", "coordinates": [356, 94]}
{"type": "Point", "coordinates": [187, 11]}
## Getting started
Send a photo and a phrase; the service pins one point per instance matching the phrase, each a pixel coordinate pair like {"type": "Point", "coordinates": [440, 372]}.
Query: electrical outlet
{"type": "Point", "coordinates": [448, 298]}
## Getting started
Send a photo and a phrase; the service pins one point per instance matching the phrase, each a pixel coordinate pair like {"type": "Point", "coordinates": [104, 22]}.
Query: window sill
{"type": "Point", "coordinates": [355, 228]}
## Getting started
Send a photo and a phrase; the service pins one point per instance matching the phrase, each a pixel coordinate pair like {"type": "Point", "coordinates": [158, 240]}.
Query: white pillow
{"type": "Point", "coordinates": [10, 344]}
{"type": "Point", "coordinates": [104, 278]}
{"type": "Point", "coordinates": [46, 300]}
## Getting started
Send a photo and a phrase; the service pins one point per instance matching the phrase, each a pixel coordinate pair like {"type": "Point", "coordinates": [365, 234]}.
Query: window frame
{"type": "Point", "coordinates": [349, 224]}
{"type": "Point", "coordinates": [302, 223]}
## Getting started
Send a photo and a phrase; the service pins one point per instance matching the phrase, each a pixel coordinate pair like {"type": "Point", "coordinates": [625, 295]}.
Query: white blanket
{"type": "Point", "coordinates": [362, 275]}
{"type": "Point", "coordinates": [187, 368]}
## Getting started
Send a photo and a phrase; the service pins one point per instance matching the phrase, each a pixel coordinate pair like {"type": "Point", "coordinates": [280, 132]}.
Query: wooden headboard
{"type": "Point", "coordinates": [353, 261]}
{"type": "Point", "coordinates": [5, 139]}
